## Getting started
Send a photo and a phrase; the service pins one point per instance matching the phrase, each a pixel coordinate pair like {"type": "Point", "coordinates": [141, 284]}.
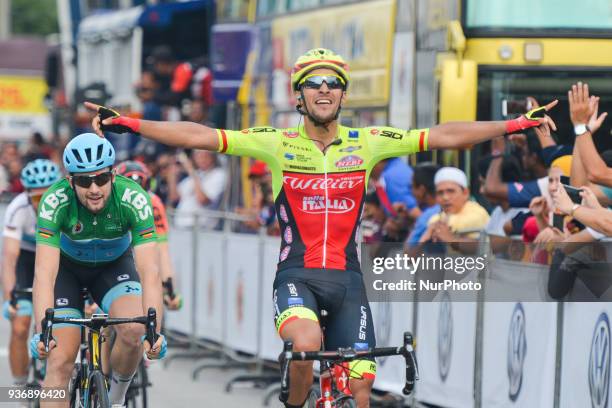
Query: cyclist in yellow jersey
{"type": "Point", "coordinates": [320, 171]}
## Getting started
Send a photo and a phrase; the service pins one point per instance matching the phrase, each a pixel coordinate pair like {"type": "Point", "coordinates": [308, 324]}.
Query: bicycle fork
{"type": "Point", "coordinates": [333, 380]}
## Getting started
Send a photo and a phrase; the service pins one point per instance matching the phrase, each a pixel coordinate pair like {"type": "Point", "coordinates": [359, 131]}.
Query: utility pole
{"type": "Point", "coordinates": [5, 19]}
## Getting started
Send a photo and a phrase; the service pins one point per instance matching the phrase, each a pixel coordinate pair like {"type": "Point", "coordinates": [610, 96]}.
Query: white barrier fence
{"type": "Point", "coordinates": [471, 354]}
{"type": "Point", "coordinates": [509, 358]}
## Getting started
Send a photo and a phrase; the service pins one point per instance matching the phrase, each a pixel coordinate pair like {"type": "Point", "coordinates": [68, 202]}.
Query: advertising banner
{"type": "Point", "coordinates": [519, 351]}
{"type": "Point", "coordinates": [361, 32]}
{"type": "Point", "coordinates": [445, 350]}
{"type": "Point", "coordinates": [230, 46]}
{"type": "Point", "coordinates": [210, 285]}
{"type": "Point", "coordinates": [242, 295]}
{"type": "Point", "coordinates": [391, 320]}
{"type": "Point", "coordinates": [22, 108]}
{"type": "Point", "coordinates": [271, 342]}
{"type": "Point", "coordinates": [585, 370]}
{"type": "Point", "coordinates": [181, 243]}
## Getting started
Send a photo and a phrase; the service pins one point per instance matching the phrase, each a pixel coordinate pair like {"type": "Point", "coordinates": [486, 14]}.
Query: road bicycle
{"type": "Point", "coordinates": [88, 386]}
{"type": "Point", "coordinates": [36, 371]}
{"type": "Point", "coordinates": [335, 372]}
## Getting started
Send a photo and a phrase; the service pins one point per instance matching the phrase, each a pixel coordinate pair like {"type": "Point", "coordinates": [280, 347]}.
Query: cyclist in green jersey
{"type": "Point", "coordinates": [86, 226]}
{"type": "Point", "coordinates": [320, 171]}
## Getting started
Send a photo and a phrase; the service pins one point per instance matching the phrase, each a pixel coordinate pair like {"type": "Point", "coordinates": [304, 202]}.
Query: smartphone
{"type": "Point", "coordinates": [558, 221]}
{"type": "Point", "coordinates": [573, 193]}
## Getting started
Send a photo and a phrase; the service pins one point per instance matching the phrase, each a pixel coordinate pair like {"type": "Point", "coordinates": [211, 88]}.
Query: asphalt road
{"type": "Point", "coordinates": [173, 385]}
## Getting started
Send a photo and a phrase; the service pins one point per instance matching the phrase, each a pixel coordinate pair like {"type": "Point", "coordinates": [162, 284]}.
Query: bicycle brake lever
{"type": "Point", "coordinates": [284, 360]}
{"type": "Point", "coordinates": [47, 328]}
{"type": "Point", "coordinates": [151, 335]}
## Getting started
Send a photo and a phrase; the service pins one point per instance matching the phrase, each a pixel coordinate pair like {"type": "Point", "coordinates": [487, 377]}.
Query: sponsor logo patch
{"type": "Point", "coordinates": [320, 183]}
{"type": "Point", "coordinates": [283, 213]}
{"type": "Point", "coordinates": [318, 205]}
{"type": "Point", "coordinates": [284, 253]}
{"type": "Point", "coordinates": [350, 149]}
{"type": "Point", "coordinates": [288, 235]}
{"type": "Point", "coordinates": [392, 135]}
{"type": "Point", "coordinates": [77, 228]}
{"type": "Point", "coordinates": [295, 301]}
{"type": "Point", "coordinates": [61, 302]}
{"type": "Point", "coordinates": [349, 161]}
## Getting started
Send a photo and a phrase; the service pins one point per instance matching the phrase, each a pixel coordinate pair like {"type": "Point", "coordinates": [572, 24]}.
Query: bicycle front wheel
{"type": "Point", "coordinates": [314, 395]}
{"type": "Point", "coordinates": [98, 394]}
{"type": "Point", "coordinates": [346, 402]}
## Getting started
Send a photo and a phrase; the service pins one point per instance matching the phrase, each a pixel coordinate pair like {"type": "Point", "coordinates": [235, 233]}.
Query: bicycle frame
{"type": "Point", "coordinates": [90, 355]}
{"type": "Point", "coordinates": [335, 378]}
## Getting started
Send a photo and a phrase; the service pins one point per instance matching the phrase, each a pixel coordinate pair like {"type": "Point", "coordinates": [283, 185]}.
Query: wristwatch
{"type": "Point", "coordinates": [574, 208]}
{"type": "Point", "coordinates": [580, 129]}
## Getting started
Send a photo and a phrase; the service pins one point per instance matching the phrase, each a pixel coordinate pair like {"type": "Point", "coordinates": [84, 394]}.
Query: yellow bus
{"type": "Point", "coordinates": [503, 51]}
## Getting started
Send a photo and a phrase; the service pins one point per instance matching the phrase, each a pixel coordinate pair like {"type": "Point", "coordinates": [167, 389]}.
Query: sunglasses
{"type": "Point", "coordinates": [315, 81]}
{"type": "Point", "coordinates": [85, 181]}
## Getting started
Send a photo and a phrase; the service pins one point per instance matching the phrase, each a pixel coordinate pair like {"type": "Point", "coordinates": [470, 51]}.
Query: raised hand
{"type": "Point", "coordinates": [582, 106]}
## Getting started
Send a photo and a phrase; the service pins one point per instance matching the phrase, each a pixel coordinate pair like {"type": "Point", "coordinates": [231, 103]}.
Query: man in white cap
{"type": "Point", "coordinates": [460, 218]}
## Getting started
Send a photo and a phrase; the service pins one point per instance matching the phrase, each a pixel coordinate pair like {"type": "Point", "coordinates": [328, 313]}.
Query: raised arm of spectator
{"type": "Point", "coordinates": [579, 177]}
{"type": "Point", "coordinates": [583, 111]}
{"type": "Point", "coordinates": [589, 213]}
{"type": "Point", "coordinates": [201, 196]}
{"type": "Point", "coordinates": [494, 186]}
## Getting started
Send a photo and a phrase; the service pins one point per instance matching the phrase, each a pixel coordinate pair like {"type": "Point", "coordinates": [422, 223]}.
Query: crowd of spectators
{"type": "Point", "coordinates": [524, 183]}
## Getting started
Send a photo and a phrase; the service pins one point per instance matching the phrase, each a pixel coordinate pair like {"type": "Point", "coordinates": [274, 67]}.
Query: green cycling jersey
{"type": "Point", "coordinates": [93, 239]}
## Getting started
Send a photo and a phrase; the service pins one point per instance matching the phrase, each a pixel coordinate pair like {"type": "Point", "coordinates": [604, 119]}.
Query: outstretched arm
{"type": "Point", "coordinates": [454, 135]}
{"type": "Point", "coordinates": [188, 135]}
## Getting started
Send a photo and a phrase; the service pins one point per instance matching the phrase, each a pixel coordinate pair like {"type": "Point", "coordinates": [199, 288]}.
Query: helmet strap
{"type": "Point", "coordinates": [303, 110]}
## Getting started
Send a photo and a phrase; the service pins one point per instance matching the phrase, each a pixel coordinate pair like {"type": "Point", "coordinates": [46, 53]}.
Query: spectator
{"type": "Point", "coordinates": [261, 210]}
{"type": "Point", "coordinates": [14, 176]}
{"type": "Point", "coordinates": [151, 110]}
{"type": "Point", "coordinates": [373, 219]}
{"type": "Point", "coordinates": [424, 191]}
{"type": "Point", "coordinates": [38, 148]}
{"type": "Point", "coordinates": [201, 189]}
{"type": "Point", "coordinates": [520, 193]}
{"type": "Point", "coordinates": [181, 81]}
{"type": "Point", "coordinates": [397, 180]}
{"type": "Point", "coordinates": [508, 169]}
{"type": "Point", "coordinates": [460, 219]}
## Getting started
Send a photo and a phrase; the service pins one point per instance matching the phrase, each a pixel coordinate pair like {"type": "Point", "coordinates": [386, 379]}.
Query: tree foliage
{"type": "Point", "coordinates": [34, 17]}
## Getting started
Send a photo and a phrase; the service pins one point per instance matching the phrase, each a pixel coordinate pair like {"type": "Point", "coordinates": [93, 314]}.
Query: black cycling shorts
{"type": "Point", "coordinates": [25, 272]}
{"type": "Point", "coordinates": [304, 292]}
{"type": "Point", "coordinates": [24, 278]}
{"type": "Point", "coordinates": [105, 283]}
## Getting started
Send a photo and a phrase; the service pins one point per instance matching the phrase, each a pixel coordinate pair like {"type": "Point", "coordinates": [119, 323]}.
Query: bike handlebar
{"type": "Point", "coordinates": [284, 393]}
{"type": "Point", "coordinates": [97, 322]}
{"type": "Point", "coordinates": [350, 354]}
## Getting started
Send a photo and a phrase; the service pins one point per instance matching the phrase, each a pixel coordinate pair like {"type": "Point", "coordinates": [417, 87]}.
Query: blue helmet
{"type": "Point", "coordinates": [39, 173]}
{"type": "Point", "coordinates": [88, 152]}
